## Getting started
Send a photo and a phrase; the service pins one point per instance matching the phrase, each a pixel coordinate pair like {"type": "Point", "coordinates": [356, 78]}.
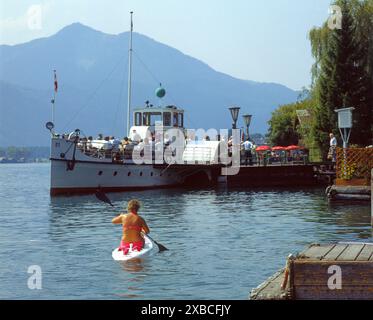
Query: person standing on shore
{"type": "Point", "coordinates": [247, 146]}
{"type": "Point", "coordinates": [332, 148]}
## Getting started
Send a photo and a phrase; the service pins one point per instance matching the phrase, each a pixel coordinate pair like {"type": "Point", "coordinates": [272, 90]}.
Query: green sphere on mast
{"type": "Point", "coordinates": [160, 92]}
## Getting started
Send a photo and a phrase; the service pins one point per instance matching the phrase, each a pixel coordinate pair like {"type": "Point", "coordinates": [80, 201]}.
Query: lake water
{"type": "Point", "coordinates": [221, 242]}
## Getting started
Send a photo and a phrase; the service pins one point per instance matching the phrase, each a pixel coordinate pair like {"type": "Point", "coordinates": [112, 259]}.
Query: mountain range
{"type": "Point", "coordinates": [92, 70]}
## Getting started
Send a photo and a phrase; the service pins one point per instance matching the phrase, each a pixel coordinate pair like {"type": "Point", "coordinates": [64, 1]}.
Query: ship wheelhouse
{"type": "Point", "coordinates": [169, 117]}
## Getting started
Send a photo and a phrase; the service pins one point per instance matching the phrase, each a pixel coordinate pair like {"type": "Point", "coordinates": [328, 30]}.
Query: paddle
{"type": "Point", "coordinates": [100, 195]}
{"type": "Point", "coordinates": [160, 246]}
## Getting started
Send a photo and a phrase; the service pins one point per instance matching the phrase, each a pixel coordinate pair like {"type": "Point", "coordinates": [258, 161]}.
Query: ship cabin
{"type": "Point", "coordinates": [147, 118]}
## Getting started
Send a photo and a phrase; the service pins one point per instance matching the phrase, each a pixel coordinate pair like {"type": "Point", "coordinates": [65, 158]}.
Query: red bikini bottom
{"type": "Point", "coordinates": [126, 246]}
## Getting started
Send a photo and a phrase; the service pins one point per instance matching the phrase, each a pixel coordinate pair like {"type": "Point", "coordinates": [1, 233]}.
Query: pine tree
{"type": "Point", "coordinates": [343, 82]}
{"type": "Point", "coordinates": [363, 16]}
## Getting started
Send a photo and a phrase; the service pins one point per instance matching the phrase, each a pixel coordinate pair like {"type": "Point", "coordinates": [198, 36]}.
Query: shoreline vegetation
{"type": "Point", "coordinates": [24, 154]}
{"type": "Point", "coordinates": [342, 76]}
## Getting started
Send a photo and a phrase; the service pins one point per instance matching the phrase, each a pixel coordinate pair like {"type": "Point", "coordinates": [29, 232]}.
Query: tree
{"type": "Point", "coordinates": [283, 126]}
{"type": "Point", "coordinates": [340, 76]}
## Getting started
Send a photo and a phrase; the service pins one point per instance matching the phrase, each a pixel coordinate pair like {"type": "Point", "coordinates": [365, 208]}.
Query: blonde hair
{"type": "Point", "coordinates": [133, 205]}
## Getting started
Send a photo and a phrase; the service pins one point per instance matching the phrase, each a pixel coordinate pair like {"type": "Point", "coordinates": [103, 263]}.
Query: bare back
{"type": "Point", "coordinates": [133, 226]}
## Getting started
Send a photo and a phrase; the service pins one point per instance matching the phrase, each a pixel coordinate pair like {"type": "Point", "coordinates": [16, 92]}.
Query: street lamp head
{"type": "Point", "coordinates": [234, 113]}
{"type": "Point", "coordinates": [344, 117]}
{"type": "Point", "coordinates": [345, 124]}
{"type": "Point", "coordinates": [247, 119]}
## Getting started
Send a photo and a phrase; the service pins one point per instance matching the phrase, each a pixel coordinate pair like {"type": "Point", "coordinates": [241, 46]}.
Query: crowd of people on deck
{"type": "Point", "coordinates": [110, 146]}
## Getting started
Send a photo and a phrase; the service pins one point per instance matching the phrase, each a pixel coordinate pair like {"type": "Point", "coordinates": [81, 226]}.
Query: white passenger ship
{"type": "Point", "coordinates": [82, 166]}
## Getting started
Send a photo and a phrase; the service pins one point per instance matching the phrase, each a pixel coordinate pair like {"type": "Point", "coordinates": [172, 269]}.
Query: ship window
{"type": "Point", "coordinates": [115, 173]}
{"type": "Point", "coordinates": [181, 119]}
{"type": "Point", "coordinates": [150, 118]}
{"type": "Point", "coordinates": [141, 174]}
{"type": "Point", "coordinates": [167, 119]}
{"type": "Point", "coordinates": [129, 173]}
{"type": "Point", "coordinates": [175, 120]}
{"type": "Point", "coordinates": [137, 118]}
{"type": "Point", "coordinates": [100, 173]}
{"type": "Point", "coordinates": [146, 119]}
{"type": "Point", "coordinates": [151, 174]}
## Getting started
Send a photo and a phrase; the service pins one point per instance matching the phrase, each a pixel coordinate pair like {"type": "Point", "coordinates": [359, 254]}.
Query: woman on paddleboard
{"type": "Point", "coordinates": [133, 226]}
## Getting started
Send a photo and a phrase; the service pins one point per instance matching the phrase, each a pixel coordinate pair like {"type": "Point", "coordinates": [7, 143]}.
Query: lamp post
{"type": "Point", "coordinates": [234, 113]}
{"type": "Point", "coordinates": [247, 120]}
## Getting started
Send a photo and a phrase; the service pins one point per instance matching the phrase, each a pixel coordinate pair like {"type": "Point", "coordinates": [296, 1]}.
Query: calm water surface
{"type": "Point", "coordinates": [222, 242]}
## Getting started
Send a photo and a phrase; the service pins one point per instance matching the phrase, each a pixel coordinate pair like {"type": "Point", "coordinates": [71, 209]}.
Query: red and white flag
{"type": "Point", "coordinates": [55, 82]}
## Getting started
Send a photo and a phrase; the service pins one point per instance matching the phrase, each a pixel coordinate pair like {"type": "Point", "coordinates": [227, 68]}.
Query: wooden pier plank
{"type": "Point", "coordinates": [335, 252]}
{"type": "Point", "coordinates": [351, 252]}
{"type": "Point", "coordinates": [270, 289]}
{"type": "Point", "coordinates": [366, 253]}
{"type": "Point", "coordinates": [316, 251]}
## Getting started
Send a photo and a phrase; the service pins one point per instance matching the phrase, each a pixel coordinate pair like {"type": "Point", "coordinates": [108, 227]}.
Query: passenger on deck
{"type": "Point", "coordinates": [107, 146]}
{"type": "Point", "coordinates": [82, 143]}
{"type": "Point", "coordinates": [158, 145]}
{"type": "Point", "coordinates": [147, 146]}
{"type": "Point", "coordinates": [123, 144]}
{"type": "Point", "coordinates": [115, 142]}
{"type": "Point", "coordinates": [133, 227]}
{"type": "Point", "coordinates": [167, 140]}
{"type": "Point", "coordinates": [125, 141]}
{"type": "Point", "coordinates": [135, 137]}
{"type": "Point", "coordinates": [100, 136]}
{"type": "Point", "coordinates": [140, 145]}
{"type": "Point", "coordinates": [89, 142]}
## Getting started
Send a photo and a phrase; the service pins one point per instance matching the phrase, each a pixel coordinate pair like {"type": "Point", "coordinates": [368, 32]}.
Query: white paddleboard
{"type": "Point", "coordinates": [149, 248]}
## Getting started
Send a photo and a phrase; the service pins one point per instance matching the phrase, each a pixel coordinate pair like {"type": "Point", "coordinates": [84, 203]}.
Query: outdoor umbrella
{"type": "Point", "coordinates": [278, 148]}
{"type": "Point", "coordinates": [262, 148]}
{"type": "Point", "coordinates": [293, 147]}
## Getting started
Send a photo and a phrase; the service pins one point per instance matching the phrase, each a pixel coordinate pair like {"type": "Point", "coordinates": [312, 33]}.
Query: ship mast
{"type": "Point", "coordinates": [129, 79]}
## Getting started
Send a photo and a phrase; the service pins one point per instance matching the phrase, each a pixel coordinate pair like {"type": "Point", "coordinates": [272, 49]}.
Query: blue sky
{"type": "Point", "coordinates": [264, 41]}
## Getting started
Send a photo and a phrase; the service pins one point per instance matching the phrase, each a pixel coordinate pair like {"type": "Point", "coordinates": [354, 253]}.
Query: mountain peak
{"type": "Point", "coordinates": [78, 27]}
{"type": "Point", "coordinates": [92, 63]}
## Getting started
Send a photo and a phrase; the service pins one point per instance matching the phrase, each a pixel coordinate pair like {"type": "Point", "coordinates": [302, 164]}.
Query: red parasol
{"type": "Point", "coordinates": [262, 148]}
{"type": "Point", "coordinates": [293, 147]}
{"type": "Point", "coordinates": [278, 148]}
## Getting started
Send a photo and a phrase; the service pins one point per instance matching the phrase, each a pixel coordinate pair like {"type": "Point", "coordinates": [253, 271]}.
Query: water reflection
{"type": "Point", "coordinates": [133, 265]}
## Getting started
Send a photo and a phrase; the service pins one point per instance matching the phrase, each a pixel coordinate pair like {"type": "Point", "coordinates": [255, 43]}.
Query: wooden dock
{"type": "Point", "coordinates": [323, 272]}
{"type": "Point", "coordinates": [274, 176]}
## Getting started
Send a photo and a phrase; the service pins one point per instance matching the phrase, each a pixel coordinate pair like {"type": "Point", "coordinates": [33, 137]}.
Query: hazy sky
{"type": "Point", "coordinates": [257, 40]}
